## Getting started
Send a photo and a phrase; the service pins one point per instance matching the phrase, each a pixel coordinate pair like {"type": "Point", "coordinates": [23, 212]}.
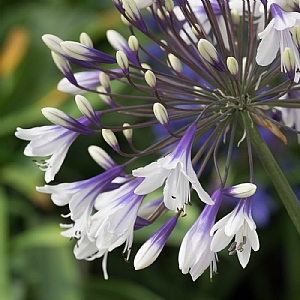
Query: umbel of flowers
{"type": "Point", "coordinates": [221, 70]}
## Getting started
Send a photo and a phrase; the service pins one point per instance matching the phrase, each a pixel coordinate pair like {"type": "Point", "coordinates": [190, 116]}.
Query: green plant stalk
{"type": "Point", "coordinates": [4, 274]}
{"type": "Point", "coordinates": [283, 188]}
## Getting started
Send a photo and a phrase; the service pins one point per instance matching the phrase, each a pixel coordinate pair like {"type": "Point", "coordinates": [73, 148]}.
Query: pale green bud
{"type": "Point", "coordinates": [296, 35]}
{"type": "Point", "coordinates": [289, 62]}
{"type": "Point", "coordinates": [169, 4]}
{"type": "Point", "coordinates": [104, 80]}
{"type": "Point", "coordinates": [127, 132]}
{"type": "Point", "coordinates": [86, 40]}
{"type": "Point", "coordinates": [110, 139]}
{"type": "Point", "coordinates": [122, 60]}
{"type": "Point", "coordinates": [210, 54]}
{"type": "Point", "coordinates": [235, 16]}
{"type": "Point", "coordinates": [101, 157]}
{"type": "Point", "coordinates": [85, 106]}
{"type": "Point", "coordinates": [232, 66]}
{"type": "Point", "coordinates": [160, 113]}
{"type": "Point", "coordinates": [150, 78]}
{"type": "Point", "coordinates": [133, 43]}
{"type": "Point", "coordinates": [175, 63]}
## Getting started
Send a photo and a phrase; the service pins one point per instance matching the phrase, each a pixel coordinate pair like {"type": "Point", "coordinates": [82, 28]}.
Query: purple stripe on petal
{"type": "Point", "coordinates": [140, 223]}
{"type": "Point", "coordinates": [276, 11]}
{"type": "Point", "coordinates": [185, 143]}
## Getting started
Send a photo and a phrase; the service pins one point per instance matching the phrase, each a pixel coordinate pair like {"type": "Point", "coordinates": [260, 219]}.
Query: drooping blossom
{"type": "Point", "coordinates": [195, 255]}
{"type": "Point", "coordinates": [238, 225]}
{"type": "Point", "coordinates": [278, 36]}
{"type": "Point", "coordinates": [177, 170]}
{"type": "Point", "coordinates": [151, 249]}
{"type": "Point", "coordinates": [80, 196]}
{"type": "Point", "coordinates": [53, 141]}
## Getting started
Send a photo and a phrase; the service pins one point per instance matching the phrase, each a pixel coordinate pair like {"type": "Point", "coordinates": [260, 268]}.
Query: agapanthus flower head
{"type": "Point", "coordinates": [210, 74]}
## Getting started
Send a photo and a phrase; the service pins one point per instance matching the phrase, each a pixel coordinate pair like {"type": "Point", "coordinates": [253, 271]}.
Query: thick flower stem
{"type": "Point", "coordinates": [283, 188]}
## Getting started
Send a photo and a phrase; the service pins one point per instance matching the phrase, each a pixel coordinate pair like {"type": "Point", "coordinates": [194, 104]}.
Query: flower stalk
{"type": "Point", "coordinates": [283, 188]}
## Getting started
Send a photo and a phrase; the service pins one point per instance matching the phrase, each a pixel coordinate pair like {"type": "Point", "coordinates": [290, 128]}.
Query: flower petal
{"type": "Point", "coordinates": [220, 240]}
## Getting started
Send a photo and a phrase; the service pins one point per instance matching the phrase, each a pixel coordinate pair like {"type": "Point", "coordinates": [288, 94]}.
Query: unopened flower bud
{"type": "Point", "coordinates": [86, 40]}
{"type": "Point", "coordinates": [60, 118]}
{"type": "Point", "coordinates": [125, 21]}
{"type": "Point", "coordinates": [110, 139]}
{"type": "Point", "coordinates": [82, 52]}
{"type": "Point", "coordinates": [160, 113]}
{"type": "Point", "coordinates": [289, 62]}
{"type": "Point", "coordinates": [127, 132]}
{"type": "Point", "coordinates": [122, 61]}
{"type": "Point", "coordinates": [104, 81]}
{"type": "Point", "coordinates": [101, 157]}
{"type": "Point", "coordinates": [56, 116]}
{"type": "Point", "coordinates": [232, 66]}
{"type": "Point", "coordinates": [53, 43]}
{"type": "Point", "coordinates": [145, 66]}
{"type": "Point", "coordinates": [133, 43]}
{"type": "Point", "coordinates": [134, 14]}
{"type": "Point", "coordinates": [64, 66]}
{"type": "Point", "coordinates": [86, 109]}
{"type": "Point", "coordinates": [296, 35]}
{"type": "Point", "coordinates": [210, 54]}
{"type": "Point", "coordinates": [169, 5]}
{"type": "Point", "coordinates": [144, 3]}
{"type": "Point", "coordinates": [131, 9]}
{"type": "Point", "coordinates": [235, 16]}
{"type": "Point", "coordinates": [175, 63]}
{"type": "Point", "coordinates": [161, 13]}
{"type": "Point", "coordinates": [150, 78]}
{"type": "Point", "coordinates": [151, 249]}
{"type": "Point", "coordinates": [242, 190]}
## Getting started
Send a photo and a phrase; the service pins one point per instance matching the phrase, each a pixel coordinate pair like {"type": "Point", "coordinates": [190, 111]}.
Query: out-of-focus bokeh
{"type": "Point", "coordinates": [36, 262]}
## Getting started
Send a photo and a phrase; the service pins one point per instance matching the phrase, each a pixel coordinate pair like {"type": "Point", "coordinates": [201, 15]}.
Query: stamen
{"type": "Point", "coordinates": [232, 252]}
{"type": "Point", "coordinates": [232, 246]}
{"type": "Point", "coordinates": [240, 247]}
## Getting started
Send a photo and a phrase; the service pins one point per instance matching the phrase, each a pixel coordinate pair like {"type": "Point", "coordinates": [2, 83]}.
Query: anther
{"type": "Point", "coordinates": [232, 252]}
{"type": "Point", "coordinates": [232, 246]}
{"type": "Point", "coordinates": [240, 247]}
{"type": "Point", "coordinates": [244, 240]}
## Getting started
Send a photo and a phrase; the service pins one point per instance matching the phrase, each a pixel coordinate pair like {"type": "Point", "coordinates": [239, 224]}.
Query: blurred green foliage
{"type": "Point", "coordinates": [36, 262]}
